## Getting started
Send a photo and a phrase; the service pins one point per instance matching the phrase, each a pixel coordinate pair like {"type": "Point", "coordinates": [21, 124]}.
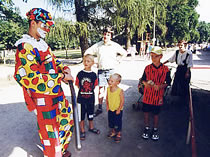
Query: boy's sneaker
{"type": "Point", "coordinates": [145, 134]}
{"type": "Point", "coordinates": [155, 135]}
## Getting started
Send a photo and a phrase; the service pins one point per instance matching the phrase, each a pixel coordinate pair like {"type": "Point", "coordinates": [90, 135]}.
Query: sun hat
{"type": "Point", "coordinates": [157, 50]}
{"type": "Point", "coordinates": [39, 14]}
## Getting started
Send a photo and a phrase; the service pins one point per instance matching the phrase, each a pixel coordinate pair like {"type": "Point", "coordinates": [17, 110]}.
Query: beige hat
{"type": "Point", "coordinates": [157, 50]}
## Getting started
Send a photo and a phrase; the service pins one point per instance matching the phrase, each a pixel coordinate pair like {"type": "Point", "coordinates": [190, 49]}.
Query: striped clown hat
{"type": "Point", "coordinates": [39, 14]}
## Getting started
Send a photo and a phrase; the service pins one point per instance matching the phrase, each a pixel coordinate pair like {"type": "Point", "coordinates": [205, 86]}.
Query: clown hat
{"type": "Point", "coordinates": [39, 14]}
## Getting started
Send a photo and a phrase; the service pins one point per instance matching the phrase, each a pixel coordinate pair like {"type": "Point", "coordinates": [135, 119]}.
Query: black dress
{"type": "Point", "coordinates": [180, 85]}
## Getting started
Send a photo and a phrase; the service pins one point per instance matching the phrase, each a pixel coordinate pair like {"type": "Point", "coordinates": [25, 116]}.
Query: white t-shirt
{"type": "Point", "coordinates": [106, 54]}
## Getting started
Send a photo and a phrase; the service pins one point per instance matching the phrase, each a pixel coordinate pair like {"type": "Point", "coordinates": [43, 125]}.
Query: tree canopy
{"type": "Point", "coordinates": [12, 26]}
{"type": "Point", "coordinates": [167, 20]}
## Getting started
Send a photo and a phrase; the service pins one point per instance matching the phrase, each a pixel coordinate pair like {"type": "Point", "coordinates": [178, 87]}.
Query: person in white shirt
{"type": "Point", "coordinates": [183, 59]}
{"type": "Point", "coordinates": [106, 52]}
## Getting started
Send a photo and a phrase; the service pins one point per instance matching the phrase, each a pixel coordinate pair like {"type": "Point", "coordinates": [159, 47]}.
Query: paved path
{"type": "Point", "coordinates": [19, 137]}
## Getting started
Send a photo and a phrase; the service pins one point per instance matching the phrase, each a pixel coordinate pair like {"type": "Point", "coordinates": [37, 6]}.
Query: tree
{"type": "Point", "coordinates": [125, 16]}
{"type": "Point", "coordinates": [83, 10]}
{"type": "Point", "coordinates": [11, 26]}
{"type": "Point", "coordinates": [6, 1]}
{"type": "Point", "coordinates": [204, 31]}
{"type": "Point", "coordinates": [159, 19]}
{"type": "Point", "coordinates": [64, 33]}
{"type": "Point", "coordinates": [182, 20]}
{"type": "Point", "coordinates": [133, 16]}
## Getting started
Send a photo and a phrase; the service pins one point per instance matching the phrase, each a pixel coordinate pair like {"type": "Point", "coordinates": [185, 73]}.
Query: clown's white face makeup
{"type": "Point", "coordinates": [41, 32]}
{"type": "Point", "coordinates": [45, 27]}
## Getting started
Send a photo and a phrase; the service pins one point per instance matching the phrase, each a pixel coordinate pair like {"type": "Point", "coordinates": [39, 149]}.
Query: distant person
{"type": "Point", "coordinates": [40, 75]}
{"type": "Point", "coordinates": [106, 52]}
{"type": "Point", "coordinates": [156, 78]}
{"type": "Point", "coordinates": [142, 51]}
{"type": "Point", "coordinates": [183, 59]}
{"type": "Point", "coordinates": [132, 50]}
{"type": "Point", "coordinates": [149, 50]}
{"type": "Point", "coordinates": [194, 48]}
{"type": "Point", "coordinates": [189, 47]}
{"type": "Point", "coordinates": [114, 103]}
{"type": "Point", "coordinates": [86, 81]}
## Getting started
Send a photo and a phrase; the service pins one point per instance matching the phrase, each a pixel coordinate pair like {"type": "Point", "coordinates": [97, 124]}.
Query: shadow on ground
{"type": "Point", "coordinates": [173, 126]}
{"type": "Point", "coordinates": [20, 131]}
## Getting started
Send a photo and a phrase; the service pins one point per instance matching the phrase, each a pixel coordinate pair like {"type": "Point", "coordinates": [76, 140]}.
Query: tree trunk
{"type": "Point", "coordinates": [83, 44]}
{"type": "Point", "coordinates": [66, 54]}
{"type": "Point", "coordinates": [128, 37]}
{"type": "Point", "coordinates": [81, 17]}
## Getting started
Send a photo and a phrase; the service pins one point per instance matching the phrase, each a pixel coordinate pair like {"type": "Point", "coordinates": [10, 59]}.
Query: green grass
{"type": "Point", "coordinates": [71, 54]}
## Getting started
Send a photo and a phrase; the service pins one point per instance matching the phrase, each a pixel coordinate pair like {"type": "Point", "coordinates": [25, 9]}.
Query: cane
{"type": "Point", "coordinates": [76, 116]}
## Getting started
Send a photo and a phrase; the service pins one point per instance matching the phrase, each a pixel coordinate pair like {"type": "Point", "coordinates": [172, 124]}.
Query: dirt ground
{"type": "Point", "coordinates": [19, 137]}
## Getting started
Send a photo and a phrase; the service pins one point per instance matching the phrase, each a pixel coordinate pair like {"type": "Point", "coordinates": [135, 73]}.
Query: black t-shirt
{"type": "Point", "coordinates": [86, 80]}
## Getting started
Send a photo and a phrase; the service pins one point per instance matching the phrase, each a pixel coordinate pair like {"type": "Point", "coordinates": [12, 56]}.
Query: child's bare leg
{"type": "Point", "coordinates": [100, 101]}
{"type": "Point", "coordinates": [155, 135]}
{"type": "Point", "coordinates": [82, 126]}
{"type": "Point", "coordinates": [91, 124]}
{"type": "Point", "coordinates": [113, 130]}
{"type": "Point", "coordinates": [146, 119]}
{"type": "Point", "coordinates": [155, 121]}
{"type": "Point", "coordinates": [101, 95]}
{"type": "Point", "coordinates": [145, 134]}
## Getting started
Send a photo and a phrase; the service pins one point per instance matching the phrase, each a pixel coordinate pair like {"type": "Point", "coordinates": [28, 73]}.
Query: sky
{"type": "Point", "coordinates": [25, 7]}
{"type": "Point", "coordinates": [203, 8]}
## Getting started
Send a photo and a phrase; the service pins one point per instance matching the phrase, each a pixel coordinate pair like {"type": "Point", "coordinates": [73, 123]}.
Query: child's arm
{"type": "Point", "coordinates": [96, 81]}
{"type": "Point", "coordinates": [144, 81]}
{"type": "Point", "coordinates": [77, 82]}
{"type": "Point", "coordinates": [107, 103]}
{"type": "Point", "coordinates": [122, 100]}
{"type": "Point", "coordinates": [158, 87]}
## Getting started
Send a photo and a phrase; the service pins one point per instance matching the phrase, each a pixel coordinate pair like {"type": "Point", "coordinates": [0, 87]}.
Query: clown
{"type": "Point", "coordinates": [40, 74]}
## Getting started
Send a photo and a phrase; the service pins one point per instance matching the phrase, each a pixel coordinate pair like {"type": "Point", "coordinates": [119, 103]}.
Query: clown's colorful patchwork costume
{"type": "Point", "coordinates": [39, 73]}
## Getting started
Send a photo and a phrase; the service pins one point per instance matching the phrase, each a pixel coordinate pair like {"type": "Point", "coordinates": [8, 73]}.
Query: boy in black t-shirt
{"type": "Point", "coordinates": [86, 81]}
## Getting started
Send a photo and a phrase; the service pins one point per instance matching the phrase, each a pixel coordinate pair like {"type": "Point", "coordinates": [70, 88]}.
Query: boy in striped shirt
{"type": "Point", "coordinates": [156, 78]}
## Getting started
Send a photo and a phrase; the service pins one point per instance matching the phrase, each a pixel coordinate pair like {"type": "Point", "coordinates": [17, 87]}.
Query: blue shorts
{"type": "Point", "coordinates": [115, 120]}
{"type": "Point", "coordinates": [103, 77]}
{"type": "Point", "coordinates": [151, 108]}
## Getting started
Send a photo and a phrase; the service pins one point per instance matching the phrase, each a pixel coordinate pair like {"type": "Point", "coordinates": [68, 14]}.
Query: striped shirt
{"type": "Point", "coordinates": [159, 75]}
